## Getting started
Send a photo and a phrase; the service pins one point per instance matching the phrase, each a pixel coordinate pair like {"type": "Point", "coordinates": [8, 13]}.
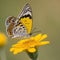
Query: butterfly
{"type": "Point", "coordinates": [21, 25]}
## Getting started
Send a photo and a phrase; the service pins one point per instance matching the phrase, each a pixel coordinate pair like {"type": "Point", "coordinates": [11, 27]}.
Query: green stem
{"type": "Point", "coordinates": [3, 54]}
{"type": "Point", "coordinates": [34, 59]}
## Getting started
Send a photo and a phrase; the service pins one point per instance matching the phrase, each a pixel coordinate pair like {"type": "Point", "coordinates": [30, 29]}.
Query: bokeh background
{"type": "Point", "coordinates": [46, 17]}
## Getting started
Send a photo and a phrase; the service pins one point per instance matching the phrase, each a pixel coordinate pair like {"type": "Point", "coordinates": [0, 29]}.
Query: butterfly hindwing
{"type": "Point", "coordinates": [10, 22]}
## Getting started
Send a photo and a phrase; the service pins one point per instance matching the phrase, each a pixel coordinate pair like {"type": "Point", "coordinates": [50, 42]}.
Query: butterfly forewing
{"type": "Point", "coordinates": [26, 17]}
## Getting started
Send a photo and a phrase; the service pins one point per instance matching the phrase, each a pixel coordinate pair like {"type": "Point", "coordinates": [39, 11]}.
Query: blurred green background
{"type": "Point", "coordinates": [46, 17]}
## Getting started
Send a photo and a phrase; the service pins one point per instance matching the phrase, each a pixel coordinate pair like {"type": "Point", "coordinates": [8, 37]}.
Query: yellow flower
{"type": "Point", "coordinates": [29, 44]}
{"type": "Point", "coordinates": [2, 39]}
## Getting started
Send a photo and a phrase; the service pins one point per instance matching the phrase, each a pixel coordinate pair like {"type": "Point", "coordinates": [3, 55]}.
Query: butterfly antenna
{"type": "Point", "coordinates": [35, 32]}
{"type": "Point", "coordinates": [34, 29]}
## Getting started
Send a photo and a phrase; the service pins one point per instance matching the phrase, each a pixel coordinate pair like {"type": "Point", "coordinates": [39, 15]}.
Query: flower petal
{"type": "Point", "coordinates": [43, 37]}
{"type": "Point", "coordinates": [44, 42]}
{"type": "Point", "coordinates": [11, 49]}
{"type": "Point", "coordinates": [37, 37]}
{"type": "Point", "coordinates": [16, 51]}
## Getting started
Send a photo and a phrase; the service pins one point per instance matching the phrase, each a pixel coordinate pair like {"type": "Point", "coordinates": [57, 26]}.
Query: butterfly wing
{"type": "Point", "coordinates": [20, 26]}
{"type": "Point", "coordinates": [15, 29]}
{"type": "Point", "coordinates": [10, 22]}
{"type": "Point", "coordinates": [26, 17]}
